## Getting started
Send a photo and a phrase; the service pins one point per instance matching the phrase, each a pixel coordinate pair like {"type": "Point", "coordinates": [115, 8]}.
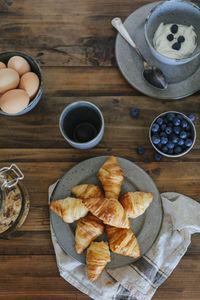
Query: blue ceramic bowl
{"type": "Point", "coordinates": [4, 57]}
{"type": "Point", "coordinates": [192, 132]}
{"type": "Point", "coordinates": [82, 124]}
{"type": "Point", "coordinates": [175, 12]}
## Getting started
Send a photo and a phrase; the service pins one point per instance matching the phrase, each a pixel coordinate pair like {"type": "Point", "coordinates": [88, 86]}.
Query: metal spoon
{"type": "Point", "coordinates": [152, 74]}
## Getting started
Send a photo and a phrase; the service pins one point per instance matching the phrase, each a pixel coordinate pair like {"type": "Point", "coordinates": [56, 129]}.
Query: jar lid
{"type": "Point", "coordinates": [14, 200]}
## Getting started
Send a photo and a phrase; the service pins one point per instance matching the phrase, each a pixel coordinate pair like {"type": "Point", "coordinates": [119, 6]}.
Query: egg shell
{"type": "Point", "coordinates": [2, 65]}
{"type": "Point", "coordinates": [14, 101]}
{"type": "Point", "coordinates": [30, 83]}
{"type": "Point", "coordinates": [19, 64]}
{"type": "Point", "coordinates": [9, 79]}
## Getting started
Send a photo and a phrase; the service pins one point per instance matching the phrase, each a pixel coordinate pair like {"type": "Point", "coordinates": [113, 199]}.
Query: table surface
{"type": "Point", "coordinates": [74, 43]}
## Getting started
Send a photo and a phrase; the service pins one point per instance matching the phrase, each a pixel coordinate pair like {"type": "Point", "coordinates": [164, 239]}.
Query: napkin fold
{"type": "Point", "coordinates": [139, 280]}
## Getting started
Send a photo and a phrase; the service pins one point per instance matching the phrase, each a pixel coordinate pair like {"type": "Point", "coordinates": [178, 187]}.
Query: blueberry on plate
{"type": "Point", "coordinates": [163, 126]}
{"type": "Point", "coordinates": [176, 46]}
{"type": "Point", "coordinates": [155, 127]}
{"type": "Point", "coordinates": [184, 123]}
{"type": "Point", "coordinates": [156, 139]}
{"type": "Point", "coordinates": [164, 140]}
{"type": "Point", "coordinates": [181, 39]}
{"type": "Point", "coordinates": [164, 149]}
{"type": "Point", "coordinates": [191, 117]}
{"type": "Point", "coordinates": [170, 151]}
{"type": "Point", "coordinates": [158, 156]}
{"type": "Point", "coordinates": [170, 124]}
{"type": "Point", "coordinates": [175, 139]}
{"type": "Point", "coordinates": [163, 134]}
{"type": "Point", "coordinates": [177, 130]}
{"type": "Point", "coordinates": [140, 150]}
{"type": "Point", "coordinates": [174, 28]}
{"type": "Point", "coordinates": [188, 143]}
{"type": "Point", "coordinates": [170, 116]}
{"type": "Point", "coordinates": [183, 135]}
{"type": "Point", "coordinates": [177, 121]}
{"type": "Point", "coordinates": [159, 145]}
{"type": "Point", "coordinates": [168, 130]}
{"type": "Point", "coordinates": [188, 127]}
{"type": "Point", "coordinates": [170, 145]}
{"type": "Point", "coordinates": [181, 142]}
{"type": "Point", "coordinates": [170, 37]}
{"type": "Point", "coordinates": [159, 121]}
{"type": "Point", "coordinates": [134, 112]}
{"type": "Point", "coordinates": [177, 150]}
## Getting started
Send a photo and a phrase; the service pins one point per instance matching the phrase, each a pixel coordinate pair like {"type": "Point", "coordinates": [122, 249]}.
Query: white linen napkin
{"type": "Point", "coordinates": [139, 280]}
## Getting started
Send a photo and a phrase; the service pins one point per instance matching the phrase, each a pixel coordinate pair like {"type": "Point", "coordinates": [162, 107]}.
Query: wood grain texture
{"type": "Point", "coordinates": [74, 43]}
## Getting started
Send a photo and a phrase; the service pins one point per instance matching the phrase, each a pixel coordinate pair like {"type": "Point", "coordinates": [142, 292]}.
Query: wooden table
{"type": "Point", "coordinates": [74, 43]}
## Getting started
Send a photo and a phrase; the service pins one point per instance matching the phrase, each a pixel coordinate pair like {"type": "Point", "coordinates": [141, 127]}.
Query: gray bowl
{"type": "Point", "coordinates": [193, 137]}
{"type": "Point", "coordinates": [176, 12]}
{"type": "Point", "coordinates": [4, 57]}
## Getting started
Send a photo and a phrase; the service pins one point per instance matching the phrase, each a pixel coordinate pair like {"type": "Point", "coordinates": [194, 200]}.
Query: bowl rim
{"type": "Point", "coordinates": [41, 85]}
{"type": "Point", "coordinates": [173, 155]}
{"type": "Point", "coordinates": [172, 60]}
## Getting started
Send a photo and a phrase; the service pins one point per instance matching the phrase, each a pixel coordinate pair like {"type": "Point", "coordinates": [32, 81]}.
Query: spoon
{"type": "Point", "coordinates": [152, 74]}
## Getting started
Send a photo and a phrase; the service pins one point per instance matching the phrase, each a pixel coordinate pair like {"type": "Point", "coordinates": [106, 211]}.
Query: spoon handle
{"type": "Point", "coordinates": [117, 24]}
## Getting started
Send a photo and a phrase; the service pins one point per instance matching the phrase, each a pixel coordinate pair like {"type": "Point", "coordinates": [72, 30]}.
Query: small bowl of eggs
{"type": "Point", "coordinates": [21, 83]}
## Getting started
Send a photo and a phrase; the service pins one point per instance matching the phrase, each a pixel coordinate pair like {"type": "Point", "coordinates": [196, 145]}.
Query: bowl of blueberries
{"type": "Point", "coordinates": [172, 134]}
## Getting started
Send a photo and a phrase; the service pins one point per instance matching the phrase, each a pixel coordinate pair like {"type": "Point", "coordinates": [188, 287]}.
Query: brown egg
{"type": "Point", "coordinates": [30, 83]}
{"type": "Point", "coordinates": [2, 65]}
{"type": "Point", "coordinates": [14, 101]}
{"type": "Point", "coordinates": [19, 64]}
{"type": "Point", "coordinates": [9, 79]}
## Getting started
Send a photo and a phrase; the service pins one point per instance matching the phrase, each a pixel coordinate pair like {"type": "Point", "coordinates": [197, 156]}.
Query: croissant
{"type": "Point", "coordinates": [123, 241]}
{"type": "Point", "coordinates": [85, 191]}
{"type": "Point", "coordinates": [69, 209]}
{"type": "Point", "coordinates": [87, 230]}
{"type": "Point", "coordinates": [98, 255]}
{"type": "Point", "coordinates": [110, 211]}
{"type": "Point", "coordinates": [136, 203]}
{"type": "Point", "coordinates": [111, 176]}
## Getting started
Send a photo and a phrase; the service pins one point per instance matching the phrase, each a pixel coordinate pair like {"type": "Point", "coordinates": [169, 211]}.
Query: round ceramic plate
{"type": "Point", "coordinates": [145, 227]}
{"type": "Point", "coordinates": [183, 79]}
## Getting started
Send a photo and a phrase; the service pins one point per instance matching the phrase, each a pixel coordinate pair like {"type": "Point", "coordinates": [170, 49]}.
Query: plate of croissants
{"type": "Point", "coordinates": [105, 212]}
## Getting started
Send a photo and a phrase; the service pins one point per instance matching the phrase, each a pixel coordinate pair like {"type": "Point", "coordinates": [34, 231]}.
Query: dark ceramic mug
{"type": "Point", "coordinates": [82, 124]}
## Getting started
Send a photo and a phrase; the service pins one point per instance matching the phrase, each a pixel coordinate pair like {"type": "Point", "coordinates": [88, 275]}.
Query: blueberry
{"type": "Point", "coordinates": [170, 145]}
{"type": "Point", "coordinates": [163, 134]}
{"type": "Point", "coordinates": [163, 126]}
{"type": "Point", "coordinates": [176, 46]}
{"type": "Point", "coordinates": [170, 151]}
{"type": "Point", "coordinates": [177, 121]}
{"type": "Point", "coordinates": [191, 117]}
{"type": "Point", "coordinates": [188, 143]}
{"type": "Point", "coordinates": [157, 156]}
{"type": "Point", "coordinates": [181, 142]}
{"type": "Point", "coordinates": [159, 121]}
{"type": "Point", "coordinates": [181, 39]}
{"type": "Point", "coordinates": [168, 130]}
{"type": "Point", "coordinates": [155, 127]}
{"type": "Point", "coordinates": [177, 130]}
{"type": "Point", "coordinates": [140, 150]}
{"type": "Point", "coordinates": [184, 123]}
{"type": "Point", "coordinates": [188, 127]}
{"type": "Point", "coordinates": [170, 37]}
{"type": "Point", "coordinates": [170, 124]}
{"type": "Point", "coordinates": [134, 112]}
{"type": "Point", "coordinates": [174, 28]}
{"type": "Point", "coordinates": [175, 139]}
{"type": "Point", "coordinates": [170, 116]}
{"type": "Point", "coordinates": [159, 145]}
{"type": "Point", "coordinates": [189, 134]}
{"type": "Point", "coordinates": [156, 139]}
{"type": "Point", "coordinates": [177, 150]}
{"type": "Point", "coordinates": [164, 149]}
{"type": "Point", "coordinates": [183, 135]}
{"type": "Point", "coordinates": [164, 140]}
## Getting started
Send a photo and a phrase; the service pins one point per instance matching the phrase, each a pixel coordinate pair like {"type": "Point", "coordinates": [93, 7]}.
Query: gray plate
{"type": "Point", "coordinates": [146, 227]}
{"type": "Point", "coordinates": [183, 79]}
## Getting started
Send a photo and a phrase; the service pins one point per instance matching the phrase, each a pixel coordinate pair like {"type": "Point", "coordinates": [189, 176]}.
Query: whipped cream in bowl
{"type": "Point", "coordinates": [172, 32]}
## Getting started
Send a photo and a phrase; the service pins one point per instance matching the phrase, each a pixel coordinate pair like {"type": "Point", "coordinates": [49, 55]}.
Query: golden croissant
{"type": "Point", "coordinates": [87, 230]}
{"type": "Point", "coordinates": [123, 241]}
{"type": "Point", "coordinates": [98, 255]}
{"type": "Point", "coordinates": [69, 209]}
{"type": "Point", "coordinates": [110, 211]}
{"type": "Point", "coordinates": [85, 191]}
{"type": "Point", "coordinates": [135, 203]}
{"type": "Point", "coordinates": [111, 177]}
